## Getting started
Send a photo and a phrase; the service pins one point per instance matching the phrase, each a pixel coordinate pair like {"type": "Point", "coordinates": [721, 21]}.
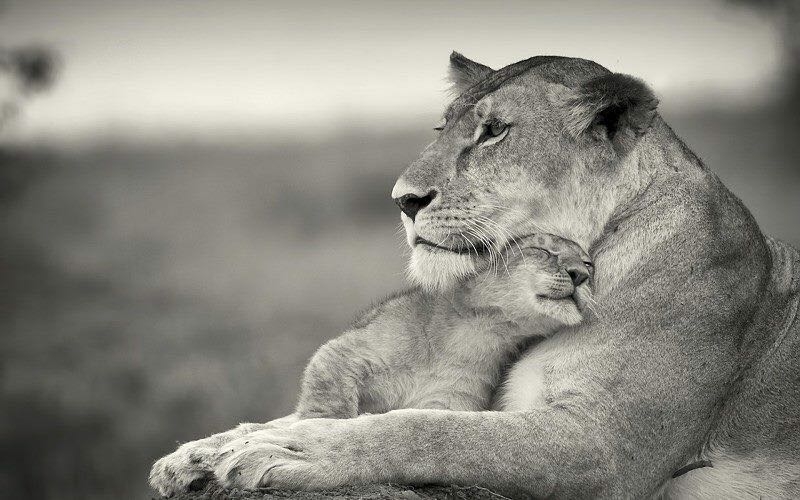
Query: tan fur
{"type": "Point", "coordinates": [693, 357]}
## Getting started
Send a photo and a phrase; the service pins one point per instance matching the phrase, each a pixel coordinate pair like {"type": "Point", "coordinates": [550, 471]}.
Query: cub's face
{"type": "Point", "coordinates": [515, 160]}
{"type": "Point", "coordinates": [537, 277]}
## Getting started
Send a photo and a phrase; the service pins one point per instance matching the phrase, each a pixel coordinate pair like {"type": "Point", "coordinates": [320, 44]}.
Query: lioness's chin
{"type": "Point", "coordinates": [438, 270]}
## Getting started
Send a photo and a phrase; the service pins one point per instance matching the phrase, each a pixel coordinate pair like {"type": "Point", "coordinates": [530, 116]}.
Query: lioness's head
{"type": "Point", "coordinates": [548, 144]}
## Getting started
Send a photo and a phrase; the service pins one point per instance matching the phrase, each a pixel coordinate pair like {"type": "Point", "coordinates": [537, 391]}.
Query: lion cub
{"type": "Point", "coordinates": [448, 350]}
{"type": "Point", "coordinates": [421, 350]}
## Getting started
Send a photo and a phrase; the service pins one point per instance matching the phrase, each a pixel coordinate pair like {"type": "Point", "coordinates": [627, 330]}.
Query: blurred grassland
{"type": "Point", "coordinates": [154, 294]}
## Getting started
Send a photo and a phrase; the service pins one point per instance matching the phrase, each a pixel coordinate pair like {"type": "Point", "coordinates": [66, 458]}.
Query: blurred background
{"type": "Point", "coordinates": [195, 195]}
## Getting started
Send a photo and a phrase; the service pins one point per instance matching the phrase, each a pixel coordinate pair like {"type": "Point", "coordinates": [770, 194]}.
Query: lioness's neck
{"type": "Point", "coordinates": [641, 216]}
{"type": "Point", "coordinates": [657, 156]}
{"type": "Point", "coordinates": [624, 191]}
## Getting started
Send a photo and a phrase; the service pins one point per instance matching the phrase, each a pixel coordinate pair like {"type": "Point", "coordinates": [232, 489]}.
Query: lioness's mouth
{"type": "Point", "coordinates": [479, 248]}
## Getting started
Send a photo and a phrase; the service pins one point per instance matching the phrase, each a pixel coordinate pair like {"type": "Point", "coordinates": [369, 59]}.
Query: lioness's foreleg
{"type": "Point", "coordinates": [605, 426]}
{"type": "Point", "coordinates": [542, 452]}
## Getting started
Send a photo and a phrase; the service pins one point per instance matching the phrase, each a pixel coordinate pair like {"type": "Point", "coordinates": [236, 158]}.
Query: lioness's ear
{"type": "Point", "coordinates": [616, 107]}
{"type": "Point", "coordinates": [464, 73]}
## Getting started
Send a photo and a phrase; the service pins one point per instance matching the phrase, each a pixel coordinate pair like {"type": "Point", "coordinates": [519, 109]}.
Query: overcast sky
{"type": "Point", "coordinates": [153, 67]}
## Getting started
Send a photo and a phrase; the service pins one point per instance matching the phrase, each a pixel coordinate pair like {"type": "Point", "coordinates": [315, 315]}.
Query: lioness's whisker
{"type": "Point", "coordinates": [500, 253]}
{"type": "Point", "coordinates": [486, 241]}
{"type": "Point", "coordinates": [591, 304]}
{"type": "Point", "coordinates": [537, 227]}
{"type": "Point", "coordinates": [492, 242]}
{"type": "Point", "coordinates": [505, 232]}
{"type": "Point", "coordinates": [478, 233]}
{"type": "Point", "coordinates": [477, 255]}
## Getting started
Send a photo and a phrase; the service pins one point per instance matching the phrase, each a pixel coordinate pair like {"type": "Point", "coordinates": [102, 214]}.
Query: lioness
{"type": "Point", "coordinates": [693, 360]}
{"type": "Point", "coordinates": [423, 349]}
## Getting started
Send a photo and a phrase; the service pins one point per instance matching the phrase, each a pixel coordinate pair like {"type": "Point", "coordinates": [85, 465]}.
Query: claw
{"type": "Point", "coordinates": [200, 483]}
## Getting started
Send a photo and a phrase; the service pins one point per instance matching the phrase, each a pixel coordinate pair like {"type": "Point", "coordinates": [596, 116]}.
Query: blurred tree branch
{"type": "Point", "coordinates": [24, 71]}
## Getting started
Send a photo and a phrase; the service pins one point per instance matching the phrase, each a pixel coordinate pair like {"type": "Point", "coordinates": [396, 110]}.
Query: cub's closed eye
{"type": "Point", "coordinates": [440, 124]}
{"type": "Point", "coordinates": [538, 252]}
{"type": "Point", "coordinates": [491, 132]}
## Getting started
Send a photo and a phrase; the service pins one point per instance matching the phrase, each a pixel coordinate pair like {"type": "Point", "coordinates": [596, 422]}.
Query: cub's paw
{"type": "Point", "coordinates": [188, 468]}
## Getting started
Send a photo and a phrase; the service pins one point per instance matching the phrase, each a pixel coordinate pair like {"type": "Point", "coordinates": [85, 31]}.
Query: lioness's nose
{"type": "Point", "coordinates": [410, 203]}
{"type": "Point", "coordinates": [578, 273]}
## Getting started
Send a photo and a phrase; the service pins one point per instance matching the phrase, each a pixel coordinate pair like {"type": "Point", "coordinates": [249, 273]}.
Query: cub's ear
{"type": "Point", "coordinates": [464, 73]}
{"type": "Point", "coordinates": [614, 107]}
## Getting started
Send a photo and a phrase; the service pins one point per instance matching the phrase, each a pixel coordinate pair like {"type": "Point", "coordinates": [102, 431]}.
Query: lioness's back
{"type": "Point", "coordinates": [766, 409]}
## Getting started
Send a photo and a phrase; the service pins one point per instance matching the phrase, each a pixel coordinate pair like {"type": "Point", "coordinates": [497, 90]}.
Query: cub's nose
{"type": "Point", "coordinates": [411, 204]}
{"type": "Point", "coordinates": [578, 273]}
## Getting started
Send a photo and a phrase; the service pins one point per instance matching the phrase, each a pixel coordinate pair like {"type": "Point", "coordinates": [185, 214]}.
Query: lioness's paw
{"type": "Point", "coordinates": [246, 464]}
{"type": "Point", "coordinates": [188, 468]}
{"type": "Point", "coordinates": [192, 465]}
{"type": "Point", "coordinates": [304, 456]}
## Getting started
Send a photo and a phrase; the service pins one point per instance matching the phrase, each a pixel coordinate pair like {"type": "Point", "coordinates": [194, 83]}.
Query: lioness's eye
{"type": "Point", "coordinates": [496, 128]}
{"type": "Point", "coordinates": [491, 132]}
{"type": "Point", "coordinates": [588, 265]}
